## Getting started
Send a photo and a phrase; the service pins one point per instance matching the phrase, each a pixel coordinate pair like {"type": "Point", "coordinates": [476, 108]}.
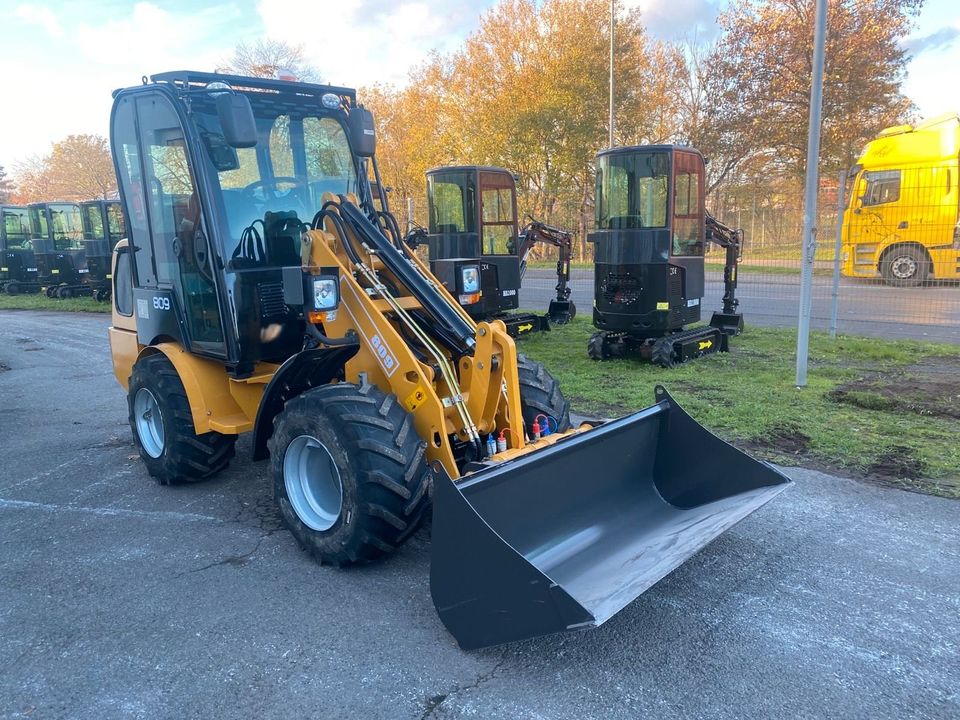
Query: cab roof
{"type": "Point", "coordinates": [934, 140]}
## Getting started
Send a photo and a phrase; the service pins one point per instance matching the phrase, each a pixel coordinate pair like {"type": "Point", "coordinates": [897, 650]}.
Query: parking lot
{"type": "Point", "coordinates": [123, 599]}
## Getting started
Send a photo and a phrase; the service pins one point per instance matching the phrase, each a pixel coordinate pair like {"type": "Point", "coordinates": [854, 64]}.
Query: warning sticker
{"type": "Point", "coordinates": [415, 399]}
{"type": "Point", "coordinates": [663, 306]}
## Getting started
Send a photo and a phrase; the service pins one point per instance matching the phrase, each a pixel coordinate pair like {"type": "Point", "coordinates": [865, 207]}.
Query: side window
{"type": "Point", "coordinates": [882, 187]}
{"type": "Point", "coordinates": [123, 284]}
{"type": "Point", "coordinates": [688, 221]}
{"type": "Point", "coordinates": [115, 222]}
{"type": "Point", "coordinates": [124, 141]}
{"type": "Point", "coordinates": [496, 202]}
{"type": "Point", "coordinates": [93, 225]}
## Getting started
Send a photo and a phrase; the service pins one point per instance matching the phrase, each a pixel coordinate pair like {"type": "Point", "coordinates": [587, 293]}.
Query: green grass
{"type": "Point", "coordinates": [748, 397]}
{"type": "Point", "coordinates": [40, 302]}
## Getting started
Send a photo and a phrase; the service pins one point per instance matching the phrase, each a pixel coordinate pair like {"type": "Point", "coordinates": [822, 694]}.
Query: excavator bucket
{"type": "Point", "coordinates": [566, 537]}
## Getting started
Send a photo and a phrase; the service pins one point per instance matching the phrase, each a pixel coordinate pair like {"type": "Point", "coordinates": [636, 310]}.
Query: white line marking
{"type": "Point", "coordinates": [106, 512]}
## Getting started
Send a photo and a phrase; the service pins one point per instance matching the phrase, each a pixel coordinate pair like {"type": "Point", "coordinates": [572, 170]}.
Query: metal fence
{"type": "Point", "coordinates": [893, 271]}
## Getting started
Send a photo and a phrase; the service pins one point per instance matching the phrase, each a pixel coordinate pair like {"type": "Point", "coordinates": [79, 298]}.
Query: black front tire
{"type": "Point", "coordinates": [185, 457]}
{"type": "Point", "coordinates": [381, 466]}
{"type": "Point", "coordinates": [540, 395]}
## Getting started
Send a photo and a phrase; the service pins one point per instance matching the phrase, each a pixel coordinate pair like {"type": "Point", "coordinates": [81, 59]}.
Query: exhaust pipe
{"type": "Point", "coordinates": [566, 537]}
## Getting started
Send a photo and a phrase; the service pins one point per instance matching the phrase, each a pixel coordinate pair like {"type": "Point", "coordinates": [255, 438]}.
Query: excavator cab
{"type": "Point", "coordinates": [103, 227]}
{"type": "Point", "coordinates": [57, 237]}
{"type": "Point", "coordinates": [651, 230]}
{"type": "Point", "coordinates": [264, 289]}
{"type": "Point", "coordinates": [18, 266]}
{"type": "Point", "coordinates": [478, 251]}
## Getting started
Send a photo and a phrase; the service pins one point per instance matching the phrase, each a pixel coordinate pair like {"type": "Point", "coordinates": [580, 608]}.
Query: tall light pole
{"type": "Point", "coordinates": [809, 239]}
{"type": "Point", "coordinates": [613, 24]}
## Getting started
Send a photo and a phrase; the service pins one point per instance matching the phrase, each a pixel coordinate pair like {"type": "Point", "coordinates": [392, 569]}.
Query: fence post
{"type": "Point", "coordinates": [809, 237]}
{"type": "Point", "coordinates": [835, 290]}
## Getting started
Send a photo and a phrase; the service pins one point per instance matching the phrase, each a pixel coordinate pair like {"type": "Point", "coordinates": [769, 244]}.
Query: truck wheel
{"type": "Point", "coordinates": [163, 429]}
{"type": "Point", "coordinates": [662, 353]}
{"type": "Point", "coordinates": [540, 395]}
{"type": "Point", "coordinates": [12, 288]}
{"type": "Point", "coordinates": [905, 266]}
{"type": "Point", "coordinates": [350, 472]}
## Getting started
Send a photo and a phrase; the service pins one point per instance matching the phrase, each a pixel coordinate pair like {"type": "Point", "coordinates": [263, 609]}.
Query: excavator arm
{"type": "Point", "coordinates": [729, 319]}
{"type": "Point", "coordinates": [561, 310]}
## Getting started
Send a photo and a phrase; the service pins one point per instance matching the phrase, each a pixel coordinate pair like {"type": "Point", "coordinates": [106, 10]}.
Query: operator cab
{"type": "Point", "coordinates": [473, 236]}
{"type": "Point", "coordinates": [18, 267]}
{"type": "Point", "coordinates": [103, 228]}
{"type": "Point", "coordinates": [649, 239]}
{"type": "Point", "coordinates": [220, 176]}
{"type": "Point", "coordinates": [57, 238]}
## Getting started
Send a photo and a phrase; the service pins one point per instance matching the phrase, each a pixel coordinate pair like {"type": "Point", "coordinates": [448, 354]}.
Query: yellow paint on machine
{"type": "Point", "coordinates": [663, 306]}
{"type": "Point", "coordinates": [705, 345]}
{"type": "Point", "coordinates": [525, 328]}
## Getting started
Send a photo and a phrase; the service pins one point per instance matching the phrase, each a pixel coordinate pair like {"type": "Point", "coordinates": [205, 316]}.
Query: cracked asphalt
{"type": "Point", "coordinates": [123, 599]}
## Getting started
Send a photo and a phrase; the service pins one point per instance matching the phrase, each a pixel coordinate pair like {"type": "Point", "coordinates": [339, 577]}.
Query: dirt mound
{"type": "Point", "coordinates": [930, 387]}
{"type": "Point", "coordinates": [785, 439]}
{"type": "Point", "coordinates": [899, 462]}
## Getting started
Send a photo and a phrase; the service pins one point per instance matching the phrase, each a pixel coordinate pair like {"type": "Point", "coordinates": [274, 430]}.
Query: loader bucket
{"type": "Point", "coordinates": [566, 537]}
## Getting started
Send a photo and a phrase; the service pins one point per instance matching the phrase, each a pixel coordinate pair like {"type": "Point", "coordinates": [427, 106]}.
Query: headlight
{"type": "Point", "coordinates": [217, 85]}
{"type": "Point", "coordinates": [331, 101]}
{"type": "Point", "coordinates": [325, 295]}
{"type": "Point", "coordinates": [470, 279]}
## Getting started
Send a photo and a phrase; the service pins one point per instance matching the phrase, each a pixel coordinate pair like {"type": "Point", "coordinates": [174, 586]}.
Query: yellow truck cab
{"type": "Point", "coordinates": [901, 221]}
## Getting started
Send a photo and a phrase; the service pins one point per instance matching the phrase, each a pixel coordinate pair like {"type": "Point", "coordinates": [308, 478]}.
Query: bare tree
{"type": "Point", "coordinates": [266, 58]}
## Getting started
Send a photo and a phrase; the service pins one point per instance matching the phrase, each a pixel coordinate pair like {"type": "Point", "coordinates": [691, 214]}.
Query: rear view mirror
{"type": "Point", "coordinates": [363, 135]}
{"type": "Point", "coordinates": [236, 120]}
{"type": "Point", "coordinates": [223, 156]}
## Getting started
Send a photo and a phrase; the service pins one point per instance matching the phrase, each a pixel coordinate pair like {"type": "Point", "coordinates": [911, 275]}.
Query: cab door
{"type": "Point", "coordinates": [175, 291]}
{"type": "Point", "coordinates": [499, 263]}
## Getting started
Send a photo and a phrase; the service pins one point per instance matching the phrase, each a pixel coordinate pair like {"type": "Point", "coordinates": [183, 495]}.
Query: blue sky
{"type": "Point", "coordinates": [61, 60]}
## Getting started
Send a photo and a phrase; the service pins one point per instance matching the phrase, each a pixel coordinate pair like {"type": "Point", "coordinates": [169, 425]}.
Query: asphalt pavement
{"type": "Point", "coordinates": [123, 599]}
{"type": "Point", "coordinates": [865, 307]}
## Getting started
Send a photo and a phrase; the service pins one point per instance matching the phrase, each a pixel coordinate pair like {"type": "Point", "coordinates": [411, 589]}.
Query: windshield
{"type": "Point", "coordinates": [16, 229]}
{"type": "Point", "coordinates": [93, 222]}
{"type": "Point", "coordinates": [66, 222]}
{"type": "Point", "coordinates": [269, 189]}
{"type": "Point", "coordinates": [632, 190]}
{"type": "Point", "coordinates": [451, 201]}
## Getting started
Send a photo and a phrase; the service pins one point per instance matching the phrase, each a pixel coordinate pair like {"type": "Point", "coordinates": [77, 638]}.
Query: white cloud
{"type": "Point", "coordinates": [675, 19]}
{"type": "Point", "coordinates": [42, 16]}
{"type": "Point", "coordinates": [352, 44]}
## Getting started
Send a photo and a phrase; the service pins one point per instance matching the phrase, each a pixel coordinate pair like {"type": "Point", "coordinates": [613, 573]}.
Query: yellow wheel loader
{"type": "Point", "coordinates": [263, 290]}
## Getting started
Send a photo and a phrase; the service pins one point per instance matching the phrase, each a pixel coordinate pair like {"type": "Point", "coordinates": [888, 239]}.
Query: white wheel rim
{"type": "Point", "coordinates": [146, 412]}
{"type": "Point", "coordinates": [904, 267]}
{"type": "Point", "coordinates": [313, 484]}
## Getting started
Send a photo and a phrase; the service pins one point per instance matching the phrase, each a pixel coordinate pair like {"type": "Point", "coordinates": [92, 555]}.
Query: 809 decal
{"type": "Point", "coordinates": [161, 303]}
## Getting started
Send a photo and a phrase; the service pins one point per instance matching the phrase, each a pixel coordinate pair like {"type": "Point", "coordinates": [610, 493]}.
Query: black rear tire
{"type": "Point", "coordinates": [540, 395]}
{"type": "Point", "coordinates": [662, 353]}
{"type": "Point", "coordinates": [380, 466]}
{"type": "Point", "coordinates": [597, 347]}
{"type": "Point", "coordinates": [185, 457]}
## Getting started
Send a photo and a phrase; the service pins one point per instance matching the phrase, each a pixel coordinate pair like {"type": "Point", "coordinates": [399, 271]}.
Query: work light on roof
{"type": "Point", "coordinates": [330, 100]}
{"type": "Point", "coordinates": [222, 87]}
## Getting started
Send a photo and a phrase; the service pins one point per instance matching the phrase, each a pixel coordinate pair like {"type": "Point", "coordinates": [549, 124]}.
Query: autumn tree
{"type": "Point", "coordinates": [520, 94]}
{"type": "Point", "coordinates": [79, 167]}
{"type": "Point", "coordinates": [6, 187]}
{"type": "Point", "coordinates": [765, 59]}
{"type": "Point", "coordinates": [267, 58]}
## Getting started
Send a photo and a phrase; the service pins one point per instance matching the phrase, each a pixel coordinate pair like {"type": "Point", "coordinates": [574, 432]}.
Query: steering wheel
{"type": "Point", "coordinates": [269, 191]}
